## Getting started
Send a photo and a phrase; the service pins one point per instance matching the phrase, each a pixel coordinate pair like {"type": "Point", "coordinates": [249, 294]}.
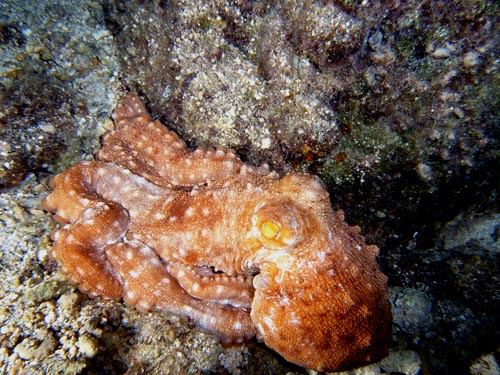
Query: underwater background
{"type": "Point", "coordinates": [395, 105]}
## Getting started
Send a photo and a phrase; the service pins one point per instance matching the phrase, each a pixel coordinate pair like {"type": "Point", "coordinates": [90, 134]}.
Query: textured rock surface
{"type": "Point", "coordinates": [398, 113]}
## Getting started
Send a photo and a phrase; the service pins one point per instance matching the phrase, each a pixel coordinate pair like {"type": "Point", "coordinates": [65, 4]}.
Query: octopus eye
{"type": "Point", "coordinates": [270, 230]}
{"type": "Point", "coordinates": [279, 225]}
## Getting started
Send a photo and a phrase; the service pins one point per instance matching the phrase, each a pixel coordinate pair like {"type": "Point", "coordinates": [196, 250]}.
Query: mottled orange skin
{"type": "Point", "coordinates": [240, 251]}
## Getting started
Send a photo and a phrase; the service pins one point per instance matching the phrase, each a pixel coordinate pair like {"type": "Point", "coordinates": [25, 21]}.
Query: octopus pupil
{"type": "Point", "coordinates": [270, 230]}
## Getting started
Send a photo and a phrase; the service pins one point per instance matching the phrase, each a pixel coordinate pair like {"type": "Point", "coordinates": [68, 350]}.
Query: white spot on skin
{"type": "Point", "coordinates": [110, 241]}
{"type": "Point", "coordinates": [154, 261]}
{"type": "Point", "coordinates": [189, 212]}
{"type": "Point", "coordinates": [181, 274]}
{"type": "Point", "coordinates": [195, 287]}
{"type": "Point", "coordinates": [205, 211]}
{"type": "Point", "coordinates": [269, 323]}
{"type": "Point", "coordinates": [310, 195]}
{"type": "Point", "coordinates": [219, 290]}
{"type": "Point", "coordinates": [134, 274]}
{"type": "Point", "coordinates": [116, 180]}
{"type": "Point", "coordinates": [294, 319]}
{"type": "Point", "coordinates": [85, 201]}
{"type": "Point", "coordinates": [145, 251]}
{"type": "Point", "coordinates": [284, 301]}
{"type": "Point", "coordinates": [144, 305]}
{"type": "Point", "coordinates": [130, 255]}
{"type": "Point", "coordinates": [159, 216]}
{"type": "Point", "coordinates": [165, 238]}
{"type": "Point", "coordinates": [237, 326]}
{"type": "Point", "coordinates": [125, 190]}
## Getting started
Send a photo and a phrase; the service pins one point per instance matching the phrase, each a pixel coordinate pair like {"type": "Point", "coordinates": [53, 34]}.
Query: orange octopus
{"type": "Point", "coordinates": [240, 251]}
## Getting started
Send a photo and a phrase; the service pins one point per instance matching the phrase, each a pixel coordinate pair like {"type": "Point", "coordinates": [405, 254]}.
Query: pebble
{"type": "Point", "coordinates": [42, 255]}
{"type": "Point", "coordinates": [99, 34]}
{"type": "Point", "coordinates": [485, 365]}
{"type": "Point", "coordinates": [441, 53]}
{"type": "Point", "coordinates": [424, 171]}
{"type": "Point", "coordinates": [266, 143]}
{"type": "Point", "coordinates": [459, 112]}
{"type": "Point", "coordinates": [471, 59]}
{"type": "Point", "coordinates": [68, 301]}
{"type": "Point", "coordinates": [405, 362]}
{"type": "Point", "coordinates": [88, 346]}
{"type": "Point", "coordinates": [26, 349]}
{"type": "Point", "coordinates": [411, 310]}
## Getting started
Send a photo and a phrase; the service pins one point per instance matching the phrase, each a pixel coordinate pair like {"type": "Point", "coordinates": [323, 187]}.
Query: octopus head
{"type": "Point", "coordinates": [320, 298]}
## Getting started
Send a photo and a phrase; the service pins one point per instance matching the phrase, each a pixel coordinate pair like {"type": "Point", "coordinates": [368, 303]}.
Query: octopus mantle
{"type": "Point", "coordinates": [238, 250]}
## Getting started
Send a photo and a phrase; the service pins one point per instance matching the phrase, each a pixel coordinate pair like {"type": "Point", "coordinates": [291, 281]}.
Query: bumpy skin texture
{"type": "Point", "coordinates": [240, 251]}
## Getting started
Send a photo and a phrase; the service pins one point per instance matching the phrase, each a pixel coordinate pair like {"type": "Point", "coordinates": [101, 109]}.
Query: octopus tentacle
{"type": "Point", "coordinates": [232, 290]}
{"type": "Point", "coordinates": [71, 194]}
{"type": "Point", "coordinates": [147, 285]}
{"type": "Point", "coordinates": [79, 245]}
{"type": "Point", "coordinates": [80, 249]}
{"type": "Point", "coordinates": [88, 183]}
{"type": "Point", "coordinates": [149, 149]}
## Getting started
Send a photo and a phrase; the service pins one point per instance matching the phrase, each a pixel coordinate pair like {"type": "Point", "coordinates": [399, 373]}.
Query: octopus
{"type": "Point", "coordinates": [240, 251]}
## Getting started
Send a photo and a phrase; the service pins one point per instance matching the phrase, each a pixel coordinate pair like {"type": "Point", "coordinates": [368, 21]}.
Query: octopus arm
{"type": "Point", "coordinates": [147, 285]}
{"type": "Point", "coordinates": [231, 290]}
{"type": "Point", "coordinates": [149, 149]}
{"type": "Point", "coordinates": [71, 194]}
{"type": "Point", "coordinates": [90, 224]}
{"type": "Point", "coordinates": [80, 248]}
